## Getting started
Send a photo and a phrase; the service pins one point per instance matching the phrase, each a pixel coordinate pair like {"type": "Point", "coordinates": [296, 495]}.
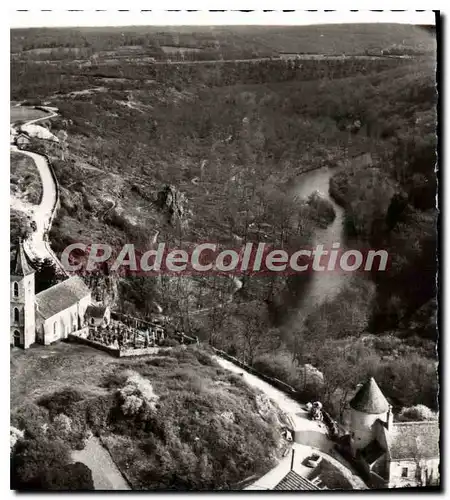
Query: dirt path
{"type": "Point", "coordinates": [105, 474]}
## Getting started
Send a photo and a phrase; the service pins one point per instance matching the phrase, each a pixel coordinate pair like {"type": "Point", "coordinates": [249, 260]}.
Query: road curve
{"type": "Point", "coordinates": [37, 245]}
{"type": "Point", "coordinates": [307, 432]}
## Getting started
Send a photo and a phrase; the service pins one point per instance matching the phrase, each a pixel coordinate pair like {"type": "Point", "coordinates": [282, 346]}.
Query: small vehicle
{"type": "Point", "coordinates": [33, 225]}
{"type": "Point", "coordinates": [313, 461]}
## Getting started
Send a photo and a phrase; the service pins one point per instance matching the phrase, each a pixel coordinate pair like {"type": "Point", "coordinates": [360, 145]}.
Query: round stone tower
{"type": "Point", "coordinates": [367, 406]}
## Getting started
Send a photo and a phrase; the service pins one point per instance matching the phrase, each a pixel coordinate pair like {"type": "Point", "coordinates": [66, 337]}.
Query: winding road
{"type": "Point", "coordinates": [105, 474]}
{"type": "Point", "coordinates": [37, 245]}
{"type": "Point", "coordinates": [308, 434]}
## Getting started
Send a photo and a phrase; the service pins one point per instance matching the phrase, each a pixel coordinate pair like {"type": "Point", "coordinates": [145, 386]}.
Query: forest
{"type": "Point", "coordinates": [232, 139]}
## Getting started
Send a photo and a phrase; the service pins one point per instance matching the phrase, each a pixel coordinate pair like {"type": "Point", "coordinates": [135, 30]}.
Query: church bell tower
{"type": "Point", "coordinates": [22, 324]}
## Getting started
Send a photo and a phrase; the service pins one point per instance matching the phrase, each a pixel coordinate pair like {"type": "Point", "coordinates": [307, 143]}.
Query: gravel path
{"type": "Point", "coordinates": [105, 473]}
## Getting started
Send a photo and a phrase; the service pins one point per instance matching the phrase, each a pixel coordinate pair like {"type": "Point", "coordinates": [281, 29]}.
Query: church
{"type": "Point", "coordinates": [49, 315]}
{"type": "Point", "coordinates": [392, 454]}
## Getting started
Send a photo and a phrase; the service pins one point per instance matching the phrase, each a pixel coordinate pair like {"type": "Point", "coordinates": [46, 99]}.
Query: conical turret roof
{"type": "Point", "coordinates": [370, 399]}
{"type": "Point", "coordinates": [19, 265]}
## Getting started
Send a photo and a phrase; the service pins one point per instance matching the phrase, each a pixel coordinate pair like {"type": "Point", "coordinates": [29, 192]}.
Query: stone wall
{"type": "Point", "coordinates": [80, 337]}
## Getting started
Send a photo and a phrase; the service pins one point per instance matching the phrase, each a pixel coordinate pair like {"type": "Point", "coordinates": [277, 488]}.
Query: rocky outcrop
{"type": "Point", "coordinates": [104, 286]}
{"type": "Point", "coordinates": [174, 203]}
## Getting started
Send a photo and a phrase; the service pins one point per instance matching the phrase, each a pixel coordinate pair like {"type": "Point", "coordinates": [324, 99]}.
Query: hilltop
{"type": "Point", "coordinates": [174, 420]}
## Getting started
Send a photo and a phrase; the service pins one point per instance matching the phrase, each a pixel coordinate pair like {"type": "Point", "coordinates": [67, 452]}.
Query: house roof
{"type": "Point", "coordinates": [61, 296]}
{"type": "Point", "coordinates": [414, 440]}
{"type": "Point", "coordinates": [293, 482]}
{"type": "Point", "coordinates": [372, 452]}
{"type": "Point", "coordinates": [370, 399]}
{"type": "Point", "coordinates": [22, 134]}
{"type": "Point", "coordinates": [19, 265]}
{"type": "Point", "coordinates": [96, 311]}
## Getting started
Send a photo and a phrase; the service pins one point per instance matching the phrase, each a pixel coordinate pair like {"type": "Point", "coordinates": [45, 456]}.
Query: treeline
{"type": "Point", "coordinates": [29, 81]}
{"type": "Point", "coordinates": [393, 206]}
{"type": "Point", "coordinates": [319, 39]}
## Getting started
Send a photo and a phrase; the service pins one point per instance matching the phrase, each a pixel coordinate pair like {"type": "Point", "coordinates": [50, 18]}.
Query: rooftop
{"type": "Point", "coordinates": [19, 265]}
{"type": "Point", "coordinates": [414, 440]}
{"type": "Point", "coordinates": [61, 296]}
{"type": "Point", "coordinates": [370, 399]}
{"type": "Point", "coordinates": [96, 311]}
{"type": "Point", "coordinates": [294, 482]}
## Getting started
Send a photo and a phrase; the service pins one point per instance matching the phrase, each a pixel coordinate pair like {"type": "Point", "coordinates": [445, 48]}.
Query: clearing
{"type": "Point", "coordinates": [25, 113]}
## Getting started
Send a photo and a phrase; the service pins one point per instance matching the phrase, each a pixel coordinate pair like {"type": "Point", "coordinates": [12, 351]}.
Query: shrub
{"type": "Point", "coordinates": [62, 423]}
{"type": "Point", "coordinates": [168, 342]}
{"type": "Point", "coordinates": [32, 458]}
{"type": "Point", "coordinates": [98, 412]}
{"type": "Point", "coordinates": [31, 418]}
{"type": "Point", "coordinates": [59, 402]}
{"type": "Point", "coordinates": [277, 365]}
{"type": "Point", "coordinates": [68, 477]}
{"type": "Point", "coordinates": [204, 358]}
{"type": "Point", "coordinates": [417, 413]}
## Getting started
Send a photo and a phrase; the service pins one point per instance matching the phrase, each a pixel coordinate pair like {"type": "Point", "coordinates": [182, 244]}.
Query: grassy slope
{"type": "Point", "coordinates": [24, 114]}
{"type": "Point", "coordinates": [25, 181]}
{"type": "Point", "coordinates": [205, 432]}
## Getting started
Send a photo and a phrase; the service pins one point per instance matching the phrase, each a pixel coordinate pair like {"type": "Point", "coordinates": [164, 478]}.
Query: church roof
{"type": "Point", "coordinates": [61, 296]}
{"type": "Point", "coordinates": [294, 482]}
{"type": "Point", "coordinates": [370, 399]}
{"type": "Point", "coordinates": [414, 440]}
{"type": "Point", "coordinates": [19, 265]}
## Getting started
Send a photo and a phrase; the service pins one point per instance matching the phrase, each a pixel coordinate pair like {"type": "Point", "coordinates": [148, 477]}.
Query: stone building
{"type": "Point", "coordinates": [392, 454]}
{"type": "Point", "coordinates": [22, 141]}
{"type": "Point", "coordinates": [60, 310]}
{"type": "Point", "coordinates": [22, 321]}
{"type": "Point", "coordinates": [98, 315]}
{"type": "Point", "coordinates": [49, 315]}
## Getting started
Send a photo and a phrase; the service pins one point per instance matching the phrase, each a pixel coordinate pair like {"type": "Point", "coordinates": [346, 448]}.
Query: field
{"type": "Point", "coordinates": [23, 113]}
{"type": "Point", "coordinates": [58, 366]}
{"type": "Point", "coordinates": [97, 45]}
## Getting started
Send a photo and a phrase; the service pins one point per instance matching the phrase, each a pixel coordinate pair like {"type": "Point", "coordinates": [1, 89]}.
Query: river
{"type": "Point", "coordinates": [324, 285]}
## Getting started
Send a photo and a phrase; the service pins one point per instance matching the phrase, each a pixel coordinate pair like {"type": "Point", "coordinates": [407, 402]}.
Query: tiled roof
{"type": "Point", "coordinates": [414, 440]}
{"type": "Point", "coordinates": [370, 399]}
{"type": "Point", "coordinates": [61, 296]}
{"type": "Point", "coordinates": [293, 482]}
{"type": "Point", "coordinates": [19, 265]}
